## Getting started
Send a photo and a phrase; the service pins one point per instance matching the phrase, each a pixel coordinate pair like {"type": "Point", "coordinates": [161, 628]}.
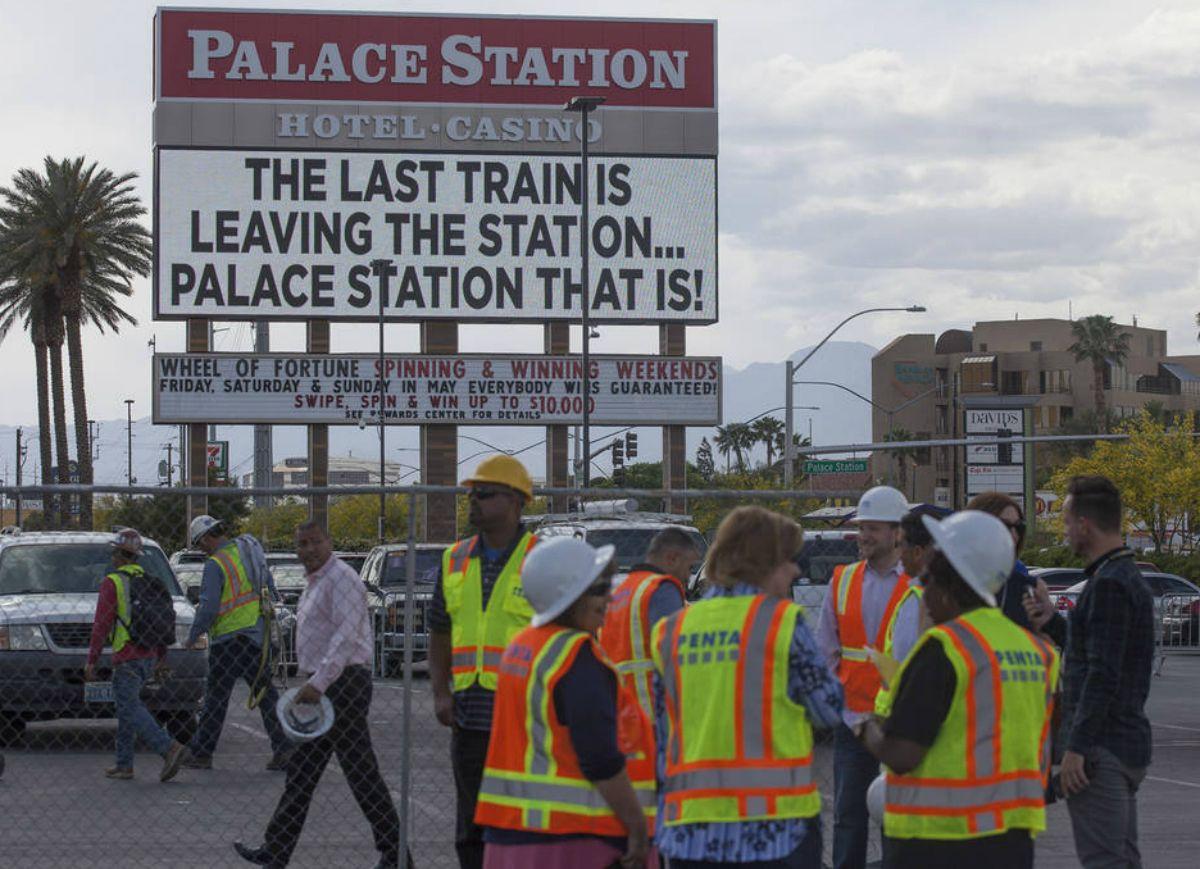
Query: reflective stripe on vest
{"type": "Point", "coordinates": [478, 637]}
{"type": "Point", "coordinates": [738, 748]}
{"type": "Point", "coordinates": [120, 629]}
{"type": "Point", "coordinates": [858, 675]}
{"type": "Point", "coordinates": [239, 607]}
{"type": "Point", "coordinates": [883, 699]}
{"type": "Point", "coordinates": [532, 779]}
{"type": "Point", "coordinates": [625, 637]}
{"type": "Point", "coordinates": [986, 769]}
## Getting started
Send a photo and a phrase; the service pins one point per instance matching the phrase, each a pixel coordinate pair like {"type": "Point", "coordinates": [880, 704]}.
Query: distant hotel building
{"type": "Point", "coordinates": [1018, 363]}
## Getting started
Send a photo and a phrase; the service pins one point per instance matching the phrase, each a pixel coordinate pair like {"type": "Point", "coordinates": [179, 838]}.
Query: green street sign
{"type": "Point", "coordinates": [844, 466]}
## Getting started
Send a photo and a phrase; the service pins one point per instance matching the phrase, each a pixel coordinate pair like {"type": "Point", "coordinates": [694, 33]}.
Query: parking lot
{"type": "Point", "coordinates": [57, 809]}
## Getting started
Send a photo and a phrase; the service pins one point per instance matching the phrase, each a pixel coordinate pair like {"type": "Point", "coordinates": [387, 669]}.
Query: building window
{"type": "Point", "coordinates": [983, 347]}
{"type": "Point", "coordinates": [979, 374]}
{"type": "Point", "coordinates": [1149, 345]}
{"type": "Point", "coordinates": [1035, 346]}
{"type": "Point", "coordinates": [1065, 414]}
{"type": "Point", "coordinates": [1013, 382]}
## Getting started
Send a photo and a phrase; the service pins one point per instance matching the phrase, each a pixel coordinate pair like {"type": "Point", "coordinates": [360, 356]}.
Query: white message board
{"type": "Point", "coordinates": [299, 389]}
{"type": "Point", "coordinates": [293, 235]}
{"type": "Point", "coordinates": [984, 470]}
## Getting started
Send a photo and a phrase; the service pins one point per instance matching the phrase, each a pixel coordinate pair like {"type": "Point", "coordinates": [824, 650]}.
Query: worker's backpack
{"type": "Point", "coordinates": [151, 611]}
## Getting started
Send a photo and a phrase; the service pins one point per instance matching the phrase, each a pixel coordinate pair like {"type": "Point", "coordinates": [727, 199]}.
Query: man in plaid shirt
{"type": "Point", "coordinates": [1109, 644]}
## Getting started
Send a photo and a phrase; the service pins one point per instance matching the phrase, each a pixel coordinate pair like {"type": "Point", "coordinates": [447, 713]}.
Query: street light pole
{"type": "Point", "coordinates": [129, 440]}
{"type": "Point", "coordinates": [585, 105]}
{"type": "Point", "coordinates": [789, 448]}
{"type": "Point", "coordinates": [382, 394]}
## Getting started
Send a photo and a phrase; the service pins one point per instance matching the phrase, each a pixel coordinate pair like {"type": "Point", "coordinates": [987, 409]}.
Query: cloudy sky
{"type": "Point", "coordinates": [985, 159]}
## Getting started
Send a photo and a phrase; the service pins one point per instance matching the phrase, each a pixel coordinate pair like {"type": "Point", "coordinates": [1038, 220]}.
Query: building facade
{"type": "Point", "coordinates": [924, 382]}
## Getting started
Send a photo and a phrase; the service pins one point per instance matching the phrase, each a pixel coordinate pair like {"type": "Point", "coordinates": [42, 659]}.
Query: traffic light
{"type": "Point", "coordinates": [618, 476]}
{"type": "Point", "coordinates": [631, 445]}
{"type": "Point", "coordinates": [618, 453]}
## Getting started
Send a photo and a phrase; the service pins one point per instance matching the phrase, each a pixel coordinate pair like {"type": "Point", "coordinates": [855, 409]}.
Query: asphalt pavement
{"type": "Point", "coordinates": [57, 809]}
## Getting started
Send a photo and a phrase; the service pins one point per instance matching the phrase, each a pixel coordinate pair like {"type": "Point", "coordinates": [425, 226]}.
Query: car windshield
{"type": "Point", "coordinates": [69, 568]}
{"type": "Point", "coordinates": [189, 574]}
{"type": "Point", "coordinates": [395, 571]}
{"type": "Point", "coordinates": [287, 574]}
{"type": "Point", "coordinates": [632, 543]}
{"type": "Point", "coordinates": [818, 558]}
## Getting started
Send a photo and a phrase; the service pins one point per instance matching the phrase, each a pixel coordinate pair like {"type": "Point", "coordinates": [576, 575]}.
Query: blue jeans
{"type": "Point", "coordinates": [854, 768]}
{"type": "Point", "coordinates": [133, 718]}
{"type": "Point", "coordinates": [230, 660]}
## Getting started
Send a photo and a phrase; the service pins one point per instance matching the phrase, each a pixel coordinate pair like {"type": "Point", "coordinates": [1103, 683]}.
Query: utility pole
{"type": "Point", "coordinates": [262, 433]}
{"type": "Point", "coordinates": [129, 440]}
{"type": "Point", "coordinates": [20, 462]}
{"type": "Point", "coordinates": [169, 445]}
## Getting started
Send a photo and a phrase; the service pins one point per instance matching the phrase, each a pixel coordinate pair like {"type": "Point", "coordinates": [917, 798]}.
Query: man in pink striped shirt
{"type": "Point", "coordinates": [334, 646]}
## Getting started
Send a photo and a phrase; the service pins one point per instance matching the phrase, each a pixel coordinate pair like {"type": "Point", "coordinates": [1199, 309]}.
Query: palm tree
{"type": "Point", "coordinates": [1100, 341]}
{"type": "Point", "coordinates": [769, 431]}
{"type": "Point", "coordinates": [724, 441]}
{"type": "Point", "coordinates": [902, 455]}
{"type": "Point", "coordinates": [75, 232]}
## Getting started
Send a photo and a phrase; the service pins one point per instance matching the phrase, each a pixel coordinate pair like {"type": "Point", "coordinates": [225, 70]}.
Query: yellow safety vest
{"type": "Point", "coordinates": [738, 748]}
{"type": "Point", "coordinates": [477, 637]}
{"type": "Point", "coordinates": [986, 770]}
{"type": "Point", "coordinates": [883, 700]}
{"type": "Point", "coordinates": [120, 631]}
{"type": "Point", "coordinates": [240, 606]}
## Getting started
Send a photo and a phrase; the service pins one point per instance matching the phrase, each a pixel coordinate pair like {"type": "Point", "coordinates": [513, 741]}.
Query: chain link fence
{"type": "Point", "coordinates": [58, 729]}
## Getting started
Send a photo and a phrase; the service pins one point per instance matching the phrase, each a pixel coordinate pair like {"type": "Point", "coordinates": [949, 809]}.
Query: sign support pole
{"type": "Point", "coordinates": [317, 341]}
{"type": "Point", "coordinates": [197, 433]}
{"type": "Point", "coordinates": [557, 341]}
{"type": "Point", "coordinates": [439, 448]}
{"type": "Point", "coordinates": [672, 342]}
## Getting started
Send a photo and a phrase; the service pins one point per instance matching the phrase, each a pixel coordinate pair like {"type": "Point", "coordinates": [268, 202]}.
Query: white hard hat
{"type": "Point", "coordinates": [303, 722]}
{"type": "Point", "coordinates": [557, 572]}
{"type": "Point", "coordinates": [978, 546]}
{"type": "Point", "coordinates": [200, 526]}
{"type": "Point", "coordinates": [875, 797]}
{"type": "Point", "coordinates": [881, 504]}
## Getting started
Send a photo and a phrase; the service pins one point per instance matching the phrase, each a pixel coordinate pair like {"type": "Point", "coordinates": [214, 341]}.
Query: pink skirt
{"type": "Point", "coordinates": [567, 854]}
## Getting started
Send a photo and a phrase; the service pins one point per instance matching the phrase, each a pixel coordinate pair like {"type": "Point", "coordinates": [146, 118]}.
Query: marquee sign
{"type": "Point", "coordinates": [467, 389]}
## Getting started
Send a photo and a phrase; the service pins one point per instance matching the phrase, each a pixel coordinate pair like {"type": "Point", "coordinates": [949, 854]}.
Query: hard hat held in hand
{"type": "Point", "coordinates": [200, 526]}
{"type": "Point", "coordinates": [303, 722]}
{"type": "Point", "coordinates": [557, 572]}
{"type": "Point", "coordinates": [505, 471]}
{"type": "Point", "coordinates": [978, 546]}
{"type": "Point", "coordinates": [881, 504]}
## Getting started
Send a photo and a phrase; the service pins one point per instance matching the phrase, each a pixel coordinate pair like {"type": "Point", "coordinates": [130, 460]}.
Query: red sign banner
{"type": "Point", "coordinates": [373, 58]}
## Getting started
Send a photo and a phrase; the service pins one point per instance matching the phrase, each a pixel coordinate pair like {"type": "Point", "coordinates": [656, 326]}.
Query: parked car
{"type": "Point", "coordinates": [1058, 582]}
{"type": "Point", "coordinates": [354, 559]}
{"type": "Point", "coordinates": [1180, 618]}
{"type": "Point", "coordinates": [385, 574]}
{"type": "Point", "coordinates": [618, 523]}
{"type": "Point", "coordinates": [49, 584]}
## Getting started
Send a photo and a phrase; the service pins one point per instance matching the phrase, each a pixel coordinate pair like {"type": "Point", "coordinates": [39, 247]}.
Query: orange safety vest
{"type": "Point", "coordinates": [858, 675]}
{"type": "Point", "coordinates": [625, 636]}
{"type": "Point", "coordinates": [532, 780]}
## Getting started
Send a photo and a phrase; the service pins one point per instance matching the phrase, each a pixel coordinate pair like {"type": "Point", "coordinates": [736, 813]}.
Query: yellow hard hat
{"type": "Point", "coordinates": [504, 470]}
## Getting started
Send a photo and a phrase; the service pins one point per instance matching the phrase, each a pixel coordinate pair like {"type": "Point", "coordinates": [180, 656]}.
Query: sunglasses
{"type": "Point", "coordinates": [1018, 526]}
{"type": "Point", "coordinates": [483, 494]}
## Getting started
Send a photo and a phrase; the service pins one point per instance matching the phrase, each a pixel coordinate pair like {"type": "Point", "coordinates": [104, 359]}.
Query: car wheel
{"type": "Point", "coordinates": [12, 728]}
{"type": "Point", "coordinates": [180, 724]}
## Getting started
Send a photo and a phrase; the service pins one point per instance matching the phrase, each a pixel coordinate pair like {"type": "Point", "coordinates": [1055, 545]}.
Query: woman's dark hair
{"type": "Point", "coordinates": [996, 503]}
{"type": "Point", "coordinates": [941, 573]}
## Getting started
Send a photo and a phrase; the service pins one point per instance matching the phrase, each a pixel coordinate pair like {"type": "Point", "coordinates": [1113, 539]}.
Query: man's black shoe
{"type": "Point", "coordinates": [259, 856]}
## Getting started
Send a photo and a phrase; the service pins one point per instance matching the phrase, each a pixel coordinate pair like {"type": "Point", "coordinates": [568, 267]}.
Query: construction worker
{"type": "Point", "coordinates": [966, 743]}
{"type": "Point", "coordinates": [857, 613]}
{"type": "Point", "coordinates": [478, 607]}
{"type": "Point", "coordinates": [652, 591]}
{"type": "Point", "coordinates": [911, 620]}
{"type": "Point", "coordinates": [230, 612]}
{"type": "Point", "coordinates": [739, 686]}
{"type": "Point", "coordinates": [556, 789]}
